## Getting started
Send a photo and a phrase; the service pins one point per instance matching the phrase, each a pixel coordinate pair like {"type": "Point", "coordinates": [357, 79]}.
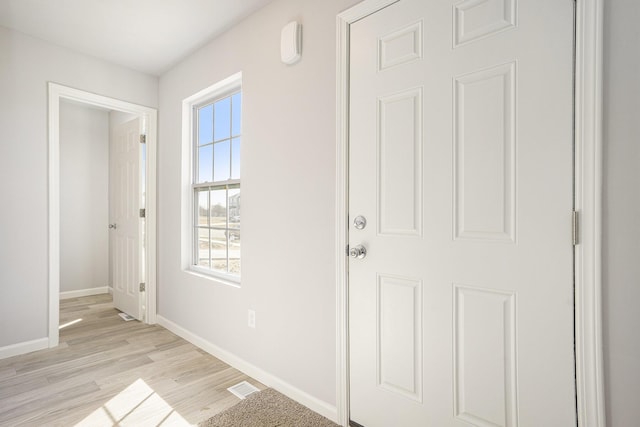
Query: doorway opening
{"type": "Point", "coordinates": [142, 191]}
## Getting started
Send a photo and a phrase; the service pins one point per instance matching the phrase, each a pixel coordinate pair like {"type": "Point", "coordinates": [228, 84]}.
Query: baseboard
{"type": "Point", "coordinates": [110, 290]}
{"type": "Point", "coordinates": [23, 347]}
{"type": "Point", "coordinates": [84, 292]}
{"type": "Point", "coordinates": [253, 371]}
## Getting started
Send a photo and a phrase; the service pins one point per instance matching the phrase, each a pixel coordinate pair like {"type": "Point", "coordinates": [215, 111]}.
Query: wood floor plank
{"type": "Point", "coordinates": [8, 372]}
{"type": "Point", "coordinates": [110, 372]}
{"type": "Point", "coordinates": [160, 370]}
{"type": "Point", "coordinates": [33, 406]}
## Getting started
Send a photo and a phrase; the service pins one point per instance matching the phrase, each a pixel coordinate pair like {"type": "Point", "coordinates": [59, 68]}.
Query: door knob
{"type": "Point", "coordinates": [113, 226]}
{"type": "Point", "coordinates": [358, 252]}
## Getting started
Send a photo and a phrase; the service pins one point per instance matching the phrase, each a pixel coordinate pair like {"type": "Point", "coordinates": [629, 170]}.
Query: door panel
{"type": "Point", "coordinates": [461, 145]}
{"type": "Point", "coordinates": [484, 134]}
{"type": "Point", "coordinates": [125, 204]}
{"type": "Point", "coordinates": [399, 165]}
{"type": "Point", "coordinates": [400, 335]}
{"type": "Point", "coordinates": [485, 356]}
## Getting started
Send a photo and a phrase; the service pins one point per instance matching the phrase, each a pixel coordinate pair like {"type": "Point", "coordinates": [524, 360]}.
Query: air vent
{"type": "Point", "coordinates": [126, 316]}
{"type": "Point", "coordinates": [243, 389]}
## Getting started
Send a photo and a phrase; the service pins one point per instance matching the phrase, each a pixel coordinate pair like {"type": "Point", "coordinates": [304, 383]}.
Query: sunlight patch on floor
{"type": "Point", "coordinates": [137, 405]}
{"type": "Point", "coordinates": [73, 322]}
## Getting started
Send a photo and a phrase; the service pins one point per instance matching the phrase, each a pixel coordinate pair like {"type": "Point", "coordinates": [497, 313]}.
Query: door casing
{"type": "Point", "coordinates": [588, 204]}
{"type": "Point", "coordinates": [57, 93]}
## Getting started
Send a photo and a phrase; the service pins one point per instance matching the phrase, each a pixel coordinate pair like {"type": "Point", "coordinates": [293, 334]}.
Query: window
{"type": "Point", "coordinates": [216, 140]}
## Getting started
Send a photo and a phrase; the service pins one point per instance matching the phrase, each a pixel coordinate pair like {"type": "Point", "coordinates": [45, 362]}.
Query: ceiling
{"type": "Point", "coordinates": [145, 35]}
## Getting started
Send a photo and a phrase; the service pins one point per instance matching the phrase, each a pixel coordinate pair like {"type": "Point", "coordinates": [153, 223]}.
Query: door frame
{"type": "Point", "coordinates": [58, 93]}
{"type": "Point", "coordinates": [588, 203]}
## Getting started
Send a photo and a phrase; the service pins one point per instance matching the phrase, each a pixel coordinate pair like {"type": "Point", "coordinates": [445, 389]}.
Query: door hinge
{"type": "Point", "coordinates": [143, 287]}
{"type": "Point", "coordinates": [143, 213]}
{"type": "Point", "coordinates": [575, 227]}
{"type": "Point", "coordinates": [143, 139]}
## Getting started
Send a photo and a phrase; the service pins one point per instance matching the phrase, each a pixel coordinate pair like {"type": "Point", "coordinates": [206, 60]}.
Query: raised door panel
{"type": "Point", "coordinates": [400, 46]}
{"type": "Point", "coordinates": [476, 19]}
{"type": "Point", "coordinates": [399, 340]}
{"type": "Point", "coordinates": [400, 163]}
{"type": "Point", "coordinates": [484, 125]}
{"type": "Point", "coordinates": [485, 357]}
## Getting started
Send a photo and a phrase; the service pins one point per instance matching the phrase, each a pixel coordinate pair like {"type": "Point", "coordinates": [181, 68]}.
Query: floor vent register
{"type": "Point", "coordinates": [126, 317]}
{"type": "Point", "coordinates": [243, 389]}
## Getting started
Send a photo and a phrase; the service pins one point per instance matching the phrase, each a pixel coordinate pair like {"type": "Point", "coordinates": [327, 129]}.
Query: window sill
{"type": "Point", "coordinates": [215, 277]}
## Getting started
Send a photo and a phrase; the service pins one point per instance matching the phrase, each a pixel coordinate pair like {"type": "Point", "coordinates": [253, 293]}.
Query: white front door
{"type": "Point", "coordinates": [125, 202]}
{"type": "Point", "coordinates": [461, 147]}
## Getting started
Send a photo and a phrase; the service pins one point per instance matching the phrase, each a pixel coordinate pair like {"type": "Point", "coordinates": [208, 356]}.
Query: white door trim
{"type": "Point", "coordinates": [58, 93]}
{"type": "Point", "coordinates": [588, 202]}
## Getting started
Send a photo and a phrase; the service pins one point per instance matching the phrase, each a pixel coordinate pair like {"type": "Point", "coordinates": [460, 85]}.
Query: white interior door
{"type": "Point", "coordinates": [126, 201]}
{"type": "Point", "coordinates": [461, 139]}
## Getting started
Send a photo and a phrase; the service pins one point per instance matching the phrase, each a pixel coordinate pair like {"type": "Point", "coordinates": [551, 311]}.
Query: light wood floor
{"type": "Point", "coordinates": [108, 372]}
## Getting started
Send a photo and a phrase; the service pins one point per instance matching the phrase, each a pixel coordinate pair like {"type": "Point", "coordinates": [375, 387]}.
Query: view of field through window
{"type": "Point", "coordinates": [217, 185]}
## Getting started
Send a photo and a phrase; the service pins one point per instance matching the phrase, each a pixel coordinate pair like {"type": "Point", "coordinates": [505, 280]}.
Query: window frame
{"type": "Point", "coordinates": [190, 107]}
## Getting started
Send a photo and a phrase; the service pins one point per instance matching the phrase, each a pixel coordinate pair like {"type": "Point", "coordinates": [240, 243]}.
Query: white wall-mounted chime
{"type": "Point", "coordinates": [291, 43]}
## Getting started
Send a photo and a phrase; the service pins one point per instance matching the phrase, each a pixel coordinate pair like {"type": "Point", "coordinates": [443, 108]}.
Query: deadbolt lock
{"type": "Point", "coordinates": [360, 222]}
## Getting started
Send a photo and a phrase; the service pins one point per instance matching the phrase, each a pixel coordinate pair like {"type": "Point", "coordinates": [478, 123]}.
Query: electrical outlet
{"type": "Point", "coordinates": [251, 318]}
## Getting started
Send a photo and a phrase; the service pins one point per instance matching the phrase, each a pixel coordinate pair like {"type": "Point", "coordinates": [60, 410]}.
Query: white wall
{"type": "Point", "coordinates": [84, 197]}
{"type": "Point", "coordinates": [117, 118]}
{"type": "Point", "coordinates": [621, 250]}
{"type": "Point", "coordinates": [26, 65]}
{"type": "Point", "coordinates": [288, 185]}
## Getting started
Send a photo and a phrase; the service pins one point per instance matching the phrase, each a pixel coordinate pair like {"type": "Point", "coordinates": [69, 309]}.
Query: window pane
{"type": "Point", "coordinates": [203, 208]}
{"type": "Point", "coordinates": [205, 162]}
{"type": "Point", "coordinates": [234, 208]}
{"type": "Point", "coordinates": [219, 208]}
{"type": "Point", "coordinates": [222, 119]}
{"type": "Point", "coordinates": [217, 159]}
{"type": "Point", "coordinates": [234, 252]}
{"type": "Point", "coordinates": [219, 250]}
{"type": "Point", "coordinates": [205, 125]}
{"type": "Point", "coordinates": [235, 158]}
{"type": "Point", "coordinates": [236, 115]}
{"type": "Point", "coordinates": [202, 257]}
{"type": "Point", "coordinates": [221, 161]}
